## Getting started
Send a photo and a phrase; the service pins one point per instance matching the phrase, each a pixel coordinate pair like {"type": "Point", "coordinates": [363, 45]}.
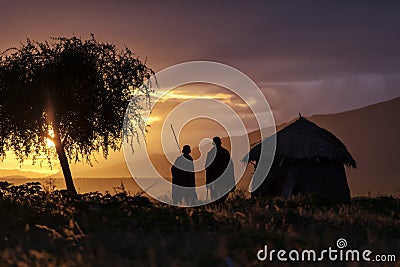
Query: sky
{"type": "Point", "coordinates": [307, 56]}
{"type": "Point", "coordinates": [313, 57]}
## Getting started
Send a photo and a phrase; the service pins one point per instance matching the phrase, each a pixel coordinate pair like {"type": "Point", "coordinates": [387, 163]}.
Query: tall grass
{"type": "Point", "coordinates": [41, 227]}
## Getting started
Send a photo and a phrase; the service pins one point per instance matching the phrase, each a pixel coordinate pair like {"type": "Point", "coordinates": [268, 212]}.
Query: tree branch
{"type": "Point", "coordinates": [64, 139]}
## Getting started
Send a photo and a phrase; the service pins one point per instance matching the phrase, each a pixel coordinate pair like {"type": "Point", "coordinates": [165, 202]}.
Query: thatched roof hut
{"type": "Point", "coordinates": [308, 158]}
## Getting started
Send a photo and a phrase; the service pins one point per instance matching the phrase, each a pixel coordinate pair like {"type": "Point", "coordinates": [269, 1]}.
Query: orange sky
{"type": "Point", "coordinates": [192, 133]}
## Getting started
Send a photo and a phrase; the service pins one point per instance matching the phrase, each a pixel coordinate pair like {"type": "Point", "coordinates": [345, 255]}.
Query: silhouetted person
{"type": "Point", "coordinates": [219, 171]}
{"type": "Point", "coordinates": [183, 175]}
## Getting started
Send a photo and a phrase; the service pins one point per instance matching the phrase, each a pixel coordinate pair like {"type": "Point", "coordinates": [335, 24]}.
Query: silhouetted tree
{"type": "Point", "coordinates": [74, 92]}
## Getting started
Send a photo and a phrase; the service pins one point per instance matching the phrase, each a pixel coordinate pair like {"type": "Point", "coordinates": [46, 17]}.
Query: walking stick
{"type": "Point", "coordinates": [176, 139]}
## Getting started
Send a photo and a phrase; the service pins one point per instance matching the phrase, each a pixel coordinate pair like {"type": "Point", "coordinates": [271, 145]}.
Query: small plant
{"type": "Point", "coordinates": [49, 185]}
{"type": "Point", "coordinates": [120, 190]}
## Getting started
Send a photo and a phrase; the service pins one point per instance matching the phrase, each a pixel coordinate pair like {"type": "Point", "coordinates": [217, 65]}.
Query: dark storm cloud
{"type": "Point", "coordinates": [329, 96]}
{"type": "Point", "coordinates": [314, 39]}
{"type": "Point", "coordinates": [278, 39]}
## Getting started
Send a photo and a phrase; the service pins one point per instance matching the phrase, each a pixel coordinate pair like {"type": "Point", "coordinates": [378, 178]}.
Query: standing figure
{"type": "Point", "coordinates": [220, 177]}
{"type": "Point", "coordinates": [183, 175]}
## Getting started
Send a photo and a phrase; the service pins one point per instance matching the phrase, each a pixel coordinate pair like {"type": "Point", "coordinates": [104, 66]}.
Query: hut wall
{"type": "Point", "coordinates": [324, 178]}
{"type": "Point", "coordinates": [273, 183]}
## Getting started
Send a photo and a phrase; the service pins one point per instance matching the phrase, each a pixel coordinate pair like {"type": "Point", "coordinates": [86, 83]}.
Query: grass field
{"type": "Point", "coordinates": [42, 227]}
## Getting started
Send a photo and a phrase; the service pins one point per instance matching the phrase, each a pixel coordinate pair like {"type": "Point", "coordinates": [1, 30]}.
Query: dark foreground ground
{"type": "Point", "coordinates": [42, 228]}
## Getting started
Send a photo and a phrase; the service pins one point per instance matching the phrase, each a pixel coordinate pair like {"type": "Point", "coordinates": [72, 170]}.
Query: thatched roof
{"type": "Point", "coordinates": [304, 139]}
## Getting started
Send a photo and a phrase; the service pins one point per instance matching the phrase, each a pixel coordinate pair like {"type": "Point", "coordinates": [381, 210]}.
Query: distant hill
{"type": "Point", "coordinates": [5, 174]}
{"type": "Point", "coordinates": [371, 134]}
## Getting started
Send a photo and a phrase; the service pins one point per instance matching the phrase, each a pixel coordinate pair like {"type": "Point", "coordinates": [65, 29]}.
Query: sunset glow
{"type": "Point", "coordinates": [49, 142]}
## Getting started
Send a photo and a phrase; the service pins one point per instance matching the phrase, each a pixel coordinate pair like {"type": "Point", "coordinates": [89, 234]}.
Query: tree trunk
{"type": "Point", "coordinates": [65, 168]}
{"type": "Point", "coordinates": [63, 161]}
{"type": "Point", "coordinates": [60, 149]}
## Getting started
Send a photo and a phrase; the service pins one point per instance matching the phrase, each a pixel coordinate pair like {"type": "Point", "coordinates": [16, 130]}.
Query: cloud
{"type": "Point", "coordinates": [326, 96]}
